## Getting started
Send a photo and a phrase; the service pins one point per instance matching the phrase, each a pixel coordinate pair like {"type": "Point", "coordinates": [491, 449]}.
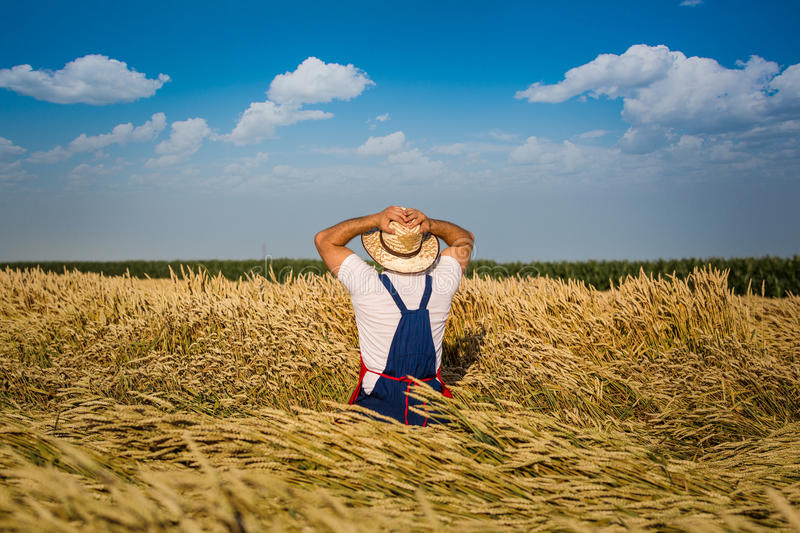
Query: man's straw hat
{"type": "Point", "coordinates": [407, 251]}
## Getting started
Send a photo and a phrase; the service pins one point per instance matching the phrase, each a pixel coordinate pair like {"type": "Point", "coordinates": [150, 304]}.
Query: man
{"type": "Point", "coordinates": [400, 314]}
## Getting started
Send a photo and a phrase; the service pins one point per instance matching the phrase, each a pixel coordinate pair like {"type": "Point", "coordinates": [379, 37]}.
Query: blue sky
{"type": "Point", "coordinates": [551, 130]}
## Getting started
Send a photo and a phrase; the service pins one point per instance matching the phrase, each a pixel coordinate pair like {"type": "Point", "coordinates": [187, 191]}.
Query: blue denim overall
{"type": "Point", "coordinates": [412, 354]}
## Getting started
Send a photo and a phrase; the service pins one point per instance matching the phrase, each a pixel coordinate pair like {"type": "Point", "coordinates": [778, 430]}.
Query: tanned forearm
{"type": "Point", "coordinates": [459, 240]}
{"type": "Point", "coordinates": [450, 233]}
{"type": "Point", "coordinates": [343, 232]}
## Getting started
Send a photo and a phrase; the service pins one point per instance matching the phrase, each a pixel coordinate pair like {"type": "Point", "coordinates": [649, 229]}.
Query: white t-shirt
{"type": "Point", "coordinates": [377, 314]}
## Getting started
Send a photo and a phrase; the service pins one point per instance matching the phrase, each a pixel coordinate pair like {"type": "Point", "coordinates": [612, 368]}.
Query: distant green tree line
{"type": "Point", "coordinates": [776, 275]}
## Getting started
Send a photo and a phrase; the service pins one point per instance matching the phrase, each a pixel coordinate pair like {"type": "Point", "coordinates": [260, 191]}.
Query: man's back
{"type": "Point", "coordinates": [377, 315]}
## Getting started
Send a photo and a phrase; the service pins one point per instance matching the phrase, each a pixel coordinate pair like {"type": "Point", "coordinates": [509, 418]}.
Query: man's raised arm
{"type": "Point", "coordinates": [459, 241]}
{"type": "Point", "coordinates": [332, 242]}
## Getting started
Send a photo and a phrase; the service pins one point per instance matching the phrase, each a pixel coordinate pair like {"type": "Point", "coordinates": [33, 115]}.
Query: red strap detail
{"type": "Point", "coordinates": [408, 387]}
{"type": "Point", "coordinates": [445, 391]}
{"type": "Point", "coordinates": [361, 374]}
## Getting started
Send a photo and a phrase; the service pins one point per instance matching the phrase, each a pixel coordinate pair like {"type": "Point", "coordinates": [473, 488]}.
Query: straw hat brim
{"type": "Point", "coordinates": [420, 262]}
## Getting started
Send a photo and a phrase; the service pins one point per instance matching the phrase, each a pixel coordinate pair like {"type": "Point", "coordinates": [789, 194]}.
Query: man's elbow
{"type": "Point", "coordinates": [320, 239]}
{"type": "Point", "coordinates": [468, 239]}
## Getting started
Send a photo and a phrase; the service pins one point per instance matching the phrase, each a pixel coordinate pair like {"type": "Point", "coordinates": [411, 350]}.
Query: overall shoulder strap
{"type": "Point", "coordinates": [393, 292]}
{"type": "Point", "coordinates": [423, 304]}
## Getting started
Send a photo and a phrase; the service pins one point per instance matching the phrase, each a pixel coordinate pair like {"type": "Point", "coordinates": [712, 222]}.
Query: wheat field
{"type": "Point", "coordinates": [202, 404]}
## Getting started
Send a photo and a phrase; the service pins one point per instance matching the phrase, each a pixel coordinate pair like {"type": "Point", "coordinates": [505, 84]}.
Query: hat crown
{"type": "Point", "coordinates": [386, 249]}
{"type": "Point", "coordinates": [404, 240]}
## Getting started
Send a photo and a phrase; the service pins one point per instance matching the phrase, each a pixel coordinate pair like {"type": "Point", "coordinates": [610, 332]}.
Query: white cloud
{"type": "Point", "coordinates": [185, 137]}
{"type": "Point", "coordinates": [9, 150]}
{"type": "Point", "coordinates": [163, 161]}
{"type": "Point", "coordinates": [788, 86]}
{"type": "Point", "coordinates": [700, 95]}
{"type": "Point", "coordinates": [184, 140]}
{"type": "Point", "coordinates": [387, 144]}
{"type": "Point", "coordinates": [501, 135]}
{"type": "Point", "coordinates": [86, 173]}
{"type": "Point", "coordinates": [593, 134]}
{"type": "Point", "coordinates": [609, 74]}
{"type": "Point", "coordinates": [259, 121]}
{"type": "Point", "coordinates": [561, 158]}
{"type": "Point", "coordinates": [85, 170]}
{"type": "Point", "coordinates": [450, 149]}
{"type": "Point", "coordinates": [380, 118]}
{"type": "Point", "coordinates": [54, 155]}
{"type": "Point", "coordinates": [414, 162]}
{"type": "Point", "coordinates": [11, 172]}
{"type": "Point", "coordinates": [666, 94]}
{"type": "Point", "coordinates": [92, 79]}
{"type": "Point", "coordinates": [121, 134]}
{"type": "Point", "coordinates": [725, 151]}
{"type": "Point", "coordinates": [313, 81]}
{"type": "Point", "coordinates": [288, 171]}
{"type": "Point", "coordinates": [473, 149]}
{"type": "Point", "coordinates": [643, 140]}
{"type": "Point", "coordinates": [406, 158]}
{"type": "Point", "coordinates": [691, 3]}
{"type": "Point", "coordinates": [689, 142]}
